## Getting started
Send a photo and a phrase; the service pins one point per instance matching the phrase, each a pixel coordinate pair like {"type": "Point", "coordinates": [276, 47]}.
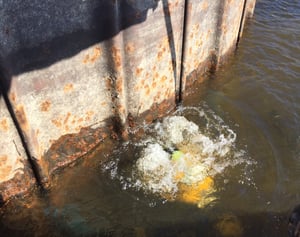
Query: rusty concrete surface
{"type": "Point", "coordinates": [231, 18]}
{"type": "Point", "coordinates": [75, 72]}
{"type": "Point", "coordinates": [200, 36]}
{"type": "Point", "coordinates": [15, 172]}
{"type": "Point", "coordinates": [234, 15]}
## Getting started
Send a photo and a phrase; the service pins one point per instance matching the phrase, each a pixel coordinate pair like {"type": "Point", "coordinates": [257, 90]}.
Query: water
{"type": "Point", "coordinates": [256, 96]}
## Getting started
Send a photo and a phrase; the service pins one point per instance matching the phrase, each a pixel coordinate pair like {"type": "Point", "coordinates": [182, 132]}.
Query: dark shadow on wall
{"type": "Point", "coordinates": [36, 34]}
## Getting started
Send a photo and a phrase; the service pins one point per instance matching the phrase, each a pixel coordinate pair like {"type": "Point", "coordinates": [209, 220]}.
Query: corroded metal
{"type": "Point", "coordinates": [75, 72]}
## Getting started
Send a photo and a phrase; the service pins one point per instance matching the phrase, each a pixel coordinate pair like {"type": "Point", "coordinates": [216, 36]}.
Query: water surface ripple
{"type": "Point", "coordinates": [260, 91]}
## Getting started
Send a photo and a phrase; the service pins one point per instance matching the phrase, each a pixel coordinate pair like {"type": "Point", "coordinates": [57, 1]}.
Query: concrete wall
{"type": "Point", "coordinates": [74, 72]}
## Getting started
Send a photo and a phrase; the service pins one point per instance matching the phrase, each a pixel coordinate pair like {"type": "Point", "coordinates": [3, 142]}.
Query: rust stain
{"type": "Point", "coordinates": [4, 125]}
{"type": "Point", "coordinates": [97, 51]}
{"type": "Point", "coordinates": [138, 72]}
{"type": "Point", "coordinates": [204, 6]}
{"type": "Point", "coordinates": [3, 159]}
{"type": "Point", "coordinates": [5, 169]}
{"type": "Point", "coordinates": [157, 97]}
{"type": "Point", "coordinates": [190, 7]}
{"type": "Point", "coordinates": [67, 118]}
{"type": "Point", "coordinates": [21, 117]}
{"type": "Point", "coordinates": [45, 106]}
{"type": "Point", "coordinates": [147, 91]}
{"type": "Point", "coordinates": [108, 84]}
{"type": "Point", "coordinates": [199, 43]}
{"type": "Point", "coordinates": [68, 87]}
{"type": "Point", "coordinates": [86, 59]}
{"type": "Point", "coordinates": [116, 53]}
{"type": "Point", "coordinates": [119, 84]}
{"type": "Point", "coordinates": [89, 114]}
{"type": "Point", "coordinates": [13, 97]}
{"type": "Point", "coordinates": [169, 93]}
{"type": "Point", "coordinates": [57, 122]}
{"type": "Point", "coordinates": [65, 122]}
{"type": "Point", "coordinates": [78, 128]}
{"type": "Point", "coordinates": [154, 84]}
{"type": "Point", "coordinates": [159, 55]}
{"type": "Point", "coordinates": [129, 48]}
{"type": "Point", "coordinates": [163, 79]}
{"type": "Point", "coordinates": [149, 118]}
{"type": "Point", "coordinates": [80, 120]}
{"type": "Point", "coordinates": [121, 109]}
{"type": "Point", "coordinates": [166, 41]}
{"type": "Point", "coordinates": [104, 135]}
{"type": "Point", "coordinates": [143, 82]}
{"type": "Point", "coordinates": [73, 146]}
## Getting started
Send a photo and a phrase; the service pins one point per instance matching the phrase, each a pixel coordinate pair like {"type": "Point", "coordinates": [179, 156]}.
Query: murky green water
{"type": "Point", "coordinates": [257, 96]}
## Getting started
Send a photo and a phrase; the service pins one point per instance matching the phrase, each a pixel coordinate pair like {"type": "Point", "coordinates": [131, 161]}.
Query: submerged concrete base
{"type": "Point", "coordinates": [75, 72]}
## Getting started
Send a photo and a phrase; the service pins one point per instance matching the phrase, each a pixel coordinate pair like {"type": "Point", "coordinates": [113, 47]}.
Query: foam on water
{"type": "Point", "coordinates": [155, 167]}
{"type": "Point", "coordinates": [174, 130]}
{"type": "Point", "coordinates": [179, 159]}
{"type": "Point", "coordinates": [202, 156]}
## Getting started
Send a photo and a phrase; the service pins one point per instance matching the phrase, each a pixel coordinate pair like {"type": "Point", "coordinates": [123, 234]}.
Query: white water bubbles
{"type": "Point", "coordinates": [175, 130]}
{"type": "Point", "coordinates": [185, 148]}
{"type": "Point", "coordinates": [155, 167]}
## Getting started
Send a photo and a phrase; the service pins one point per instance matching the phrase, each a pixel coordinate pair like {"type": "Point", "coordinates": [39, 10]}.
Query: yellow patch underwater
{"type": "Point", "coordinates": [198, 193]}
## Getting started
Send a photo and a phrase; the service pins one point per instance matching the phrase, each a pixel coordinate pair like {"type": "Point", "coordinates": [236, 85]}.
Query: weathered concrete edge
{"type": "Point", "coordinates": [15, 169]}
